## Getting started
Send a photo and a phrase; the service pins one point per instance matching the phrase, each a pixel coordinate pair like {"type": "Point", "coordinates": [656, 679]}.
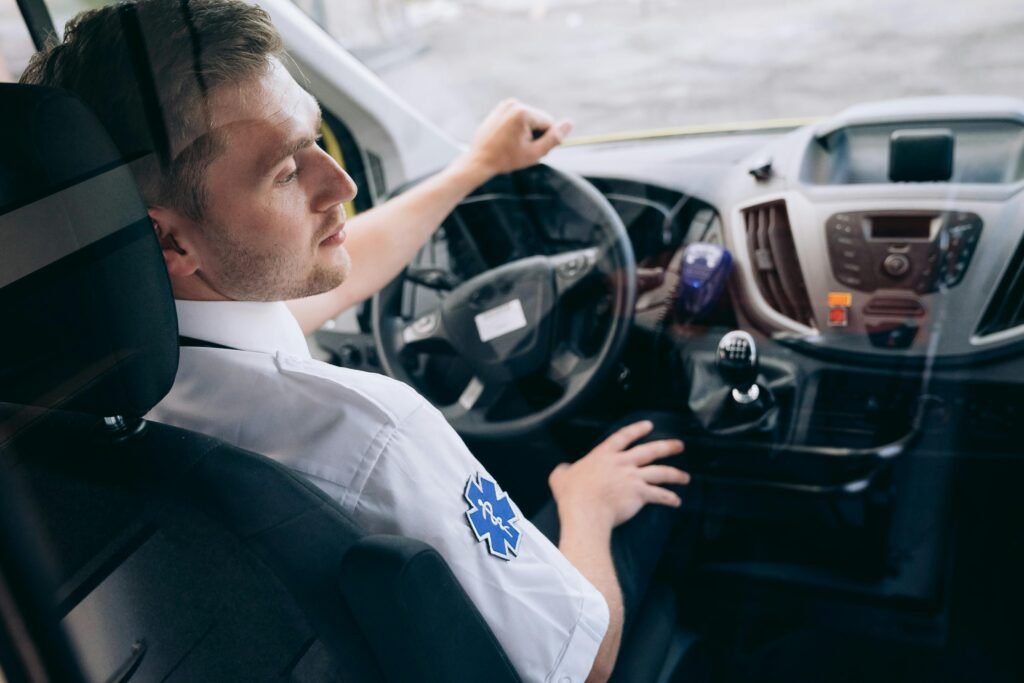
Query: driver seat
{"type": "Point", "coordinates": [162, 554]}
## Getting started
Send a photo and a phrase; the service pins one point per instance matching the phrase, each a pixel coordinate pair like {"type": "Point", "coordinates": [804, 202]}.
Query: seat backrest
{"type": "Point", "coordinates": [184, 558]}
{"type": "Point", "coordinates": [175, 557]}
{"type": "Point", "coordinates": [89, 322]}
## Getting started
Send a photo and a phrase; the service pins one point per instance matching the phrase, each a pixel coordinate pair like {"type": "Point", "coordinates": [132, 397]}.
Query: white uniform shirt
{"type": "Point", "coordinates": [390, 460]}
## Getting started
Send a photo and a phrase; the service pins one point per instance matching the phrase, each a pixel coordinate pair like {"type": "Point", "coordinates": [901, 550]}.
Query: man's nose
{"type": "Point", "coordinates": [338, 186]}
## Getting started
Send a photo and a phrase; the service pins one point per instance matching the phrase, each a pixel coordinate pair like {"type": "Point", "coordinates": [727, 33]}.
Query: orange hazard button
{"type": "Point", "coordinates": [844, 299]}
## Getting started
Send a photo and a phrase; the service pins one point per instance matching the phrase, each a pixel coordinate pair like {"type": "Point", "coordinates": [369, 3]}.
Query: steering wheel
{"type": "Point", "coordinates": [547, 317]}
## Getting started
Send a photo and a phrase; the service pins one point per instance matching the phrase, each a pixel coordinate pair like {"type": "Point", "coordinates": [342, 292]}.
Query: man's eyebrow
{"type": "Point", "coordinates": [293, 146]}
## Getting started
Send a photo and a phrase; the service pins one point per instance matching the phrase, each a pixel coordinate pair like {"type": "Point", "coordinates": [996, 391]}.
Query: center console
{"type": "Point", "coordinates": [889, 232]}
{"type": "Point", "coordinates": [916, 251]}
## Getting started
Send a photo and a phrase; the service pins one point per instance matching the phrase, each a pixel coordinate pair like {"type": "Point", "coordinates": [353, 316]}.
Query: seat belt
{"type": "Point", "coordinates": [192, 341]}
{"type": "Point", "coordinates": [38, 22]}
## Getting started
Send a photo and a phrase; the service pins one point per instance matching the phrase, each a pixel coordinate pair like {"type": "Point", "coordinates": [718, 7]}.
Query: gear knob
{"type": "Point", "coordinates": [738, 365]}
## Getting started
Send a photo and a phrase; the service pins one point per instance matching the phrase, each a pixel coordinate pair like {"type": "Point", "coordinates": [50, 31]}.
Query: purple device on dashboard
{"type": "Point", "coordinates": [702, 278]}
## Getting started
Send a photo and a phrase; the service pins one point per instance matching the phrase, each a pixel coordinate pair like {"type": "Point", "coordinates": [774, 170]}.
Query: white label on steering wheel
{"type": "Point", "coordinates": [500, 320]}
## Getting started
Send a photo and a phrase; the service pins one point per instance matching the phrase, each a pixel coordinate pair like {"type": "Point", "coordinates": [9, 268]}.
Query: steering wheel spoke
{"type": "Point", "coordinates": [568, 368]}
{"type": "Point", "coordinates": [573, 267]}
{"type": "Point", "coordinates": [476, 397]}
{"type": "Point", "coordinates": [425, 333]}
{"type": "Point", "coordinates": [563, 365]}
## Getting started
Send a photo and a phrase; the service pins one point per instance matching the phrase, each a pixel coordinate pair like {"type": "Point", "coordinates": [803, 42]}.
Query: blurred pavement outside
{"type": "Point", "coordinates": [624, 65]}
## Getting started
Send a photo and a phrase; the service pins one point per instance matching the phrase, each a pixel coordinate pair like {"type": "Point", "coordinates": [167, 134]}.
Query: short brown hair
{"type": "Point", "coordinates": [147, 68]}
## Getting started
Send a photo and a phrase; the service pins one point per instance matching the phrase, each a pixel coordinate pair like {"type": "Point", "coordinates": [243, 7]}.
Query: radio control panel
{"type": "Point", "coordinates": [911, 250]}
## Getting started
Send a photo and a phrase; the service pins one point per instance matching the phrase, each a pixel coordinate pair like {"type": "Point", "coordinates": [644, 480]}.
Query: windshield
{"type": "Point", "coordinates": [616, 66]}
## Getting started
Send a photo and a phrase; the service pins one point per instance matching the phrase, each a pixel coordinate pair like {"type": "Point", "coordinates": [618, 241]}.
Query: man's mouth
{"type": "Point", "coordinates": [334, 239]}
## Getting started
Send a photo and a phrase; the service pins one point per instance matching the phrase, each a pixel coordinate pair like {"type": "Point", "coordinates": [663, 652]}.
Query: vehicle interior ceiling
{"type": "Point", "coordinates": [833, 315]}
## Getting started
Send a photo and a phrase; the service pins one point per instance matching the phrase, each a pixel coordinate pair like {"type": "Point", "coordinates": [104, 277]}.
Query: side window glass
{"type": "Point", "coordinates": [16, 46]}
{"type": "Point", "coordinates": [15, 43]}
{"type": "Point", "coordinates": [338, 141]}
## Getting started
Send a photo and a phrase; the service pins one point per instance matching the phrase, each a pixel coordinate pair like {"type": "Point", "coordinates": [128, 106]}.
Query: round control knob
{"type": "Point", "coordinates": [896, 265]}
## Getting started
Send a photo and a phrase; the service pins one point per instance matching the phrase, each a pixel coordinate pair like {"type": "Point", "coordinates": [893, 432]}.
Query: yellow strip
{"type": "Point", "coordinates": [333, 148]}
{"type": "Point", "coordinates": [697, 129]}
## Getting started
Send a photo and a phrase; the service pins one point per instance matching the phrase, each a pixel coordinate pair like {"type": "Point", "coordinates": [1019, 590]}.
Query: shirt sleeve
{"type": "Point", "coordinates": [548, 618]}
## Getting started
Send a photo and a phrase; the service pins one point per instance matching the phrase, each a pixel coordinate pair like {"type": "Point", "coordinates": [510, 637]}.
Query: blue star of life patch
{"type": "Point", "coordinates": [491, 517]}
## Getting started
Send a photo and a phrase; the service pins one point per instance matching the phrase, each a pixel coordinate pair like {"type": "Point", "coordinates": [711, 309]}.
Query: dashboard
{"type": "Point", "coordinates": [834, 256]}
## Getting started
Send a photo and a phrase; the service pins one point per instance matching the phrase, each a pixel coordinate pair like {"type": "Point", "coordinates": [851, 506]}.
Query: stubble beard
{"type": "Point", "coordinates": [248, 275]}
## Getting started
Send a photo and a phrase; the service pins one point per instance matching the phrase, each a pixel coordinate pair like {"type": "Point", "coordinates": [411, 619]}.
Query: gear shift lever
{"type": "Point", "coordinates": [737, 364]}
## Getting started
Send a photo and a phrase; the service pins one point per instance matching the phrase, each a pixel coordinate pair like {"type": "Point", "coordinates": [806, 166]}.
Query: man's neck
{"type": "Point", "coordinates": [195, 288]}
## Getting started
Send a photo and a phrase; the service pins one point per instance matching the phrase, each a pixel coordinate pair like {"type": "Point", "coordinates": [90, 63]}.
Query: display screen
{"type": "Point", "coordinates": [920, 156]}
{"type": "Point", "coordinates": [901, 227]}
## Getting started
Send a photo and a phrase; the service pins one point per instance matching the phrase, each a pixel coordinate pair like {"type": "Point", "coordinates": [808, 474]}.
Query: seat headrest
{"type": "Point", "coordinates": [88, 320]}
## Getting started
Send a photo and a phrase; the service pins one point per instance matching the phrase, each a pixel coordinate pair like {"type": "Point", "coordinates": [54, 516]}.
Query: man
{"type": "Point", "coordinates": [248, 211]}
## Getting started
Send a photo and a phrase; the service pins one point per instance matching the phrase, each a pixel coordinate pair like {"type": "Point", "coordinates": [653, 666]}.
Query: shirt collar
{"type": "Point", "coordinates": [267, 327]}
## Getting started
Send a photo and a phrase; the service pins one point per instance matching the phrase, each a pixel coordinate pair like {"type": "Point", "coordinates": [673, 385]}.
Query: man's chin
{"type": "Point", "coordinates": [326, 279]}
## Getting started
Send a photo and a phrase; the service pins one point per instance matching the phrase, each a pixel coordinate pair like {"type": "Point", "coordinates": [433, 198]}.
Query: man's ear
{"type": "Point", "coordinates": [175, 233]}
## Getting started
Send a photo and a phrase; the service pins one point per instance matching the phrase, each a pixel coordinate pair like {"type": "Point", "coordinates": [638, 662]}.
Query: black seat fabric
{"type": "Point", "coordinates": [224, 566]}
{"type": "Point", "coordinates": [220, 563]}
{"type": "Point", "coordinates": [89, 321]}
{"type": "Point", "coordinates": [174, 556]}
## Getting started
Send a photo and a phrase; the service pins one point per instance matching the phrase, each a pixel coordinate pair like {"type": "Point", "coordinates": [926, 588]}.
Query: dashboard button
{"type": "Point", "coordinates": [850, 280]}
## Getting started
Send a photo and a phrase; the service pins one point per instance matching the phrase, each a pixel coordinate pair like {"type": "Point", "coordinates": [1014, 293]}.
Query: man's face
{"type": "Point", "coordinates": [273, 227]}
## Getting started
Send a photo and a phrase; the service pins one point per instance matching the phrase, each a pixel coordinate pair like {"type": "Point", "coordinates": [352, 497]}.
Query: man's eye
{"type": "Point", "coordinates": [284, 180]}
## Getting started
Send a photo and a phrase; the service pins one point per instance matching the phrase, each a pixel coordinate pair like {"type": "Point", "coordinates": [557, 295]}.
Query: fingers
{"type": "Point", "coordinates": [553, 137]}
{"type": "Point", "coordinates": [646, 453]}
{"type": "Point", "coordinates": [537, 119]}
{"type": "Point", "coordinates": [661, 496]}
{"type": "Point", "coordinates": [664, 474]}
{"type": "Point", "coordinates": [620, 440]}
{"type": "Point", "coordinates": [515, 135]}
{"type": "Point", "coordinates": [549, 133]}
{"type": "Point", "coordinates": [553, 134]}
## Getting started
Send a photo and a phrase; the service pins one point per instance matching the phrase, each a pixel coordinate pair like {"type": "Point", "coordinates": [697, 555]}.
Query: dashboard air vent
{"type": "Point", "coordinates": [773, 257]}
{"type": "Point", "coordinates": [1006, 308]}
{"type": "Point", "coordinates": [894, 307]}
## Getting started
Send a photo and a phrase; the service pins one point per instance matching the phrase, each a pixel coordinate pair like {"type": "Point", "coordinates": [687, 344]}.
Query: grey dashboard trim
{"type": "Point", "coordinates": [924, 109]}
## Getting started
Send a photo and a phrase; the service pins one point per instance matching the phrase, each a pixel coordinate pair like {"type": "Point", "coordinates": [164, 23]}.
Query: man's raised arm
{"type": "Point", "coordinates": [384, 239]}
